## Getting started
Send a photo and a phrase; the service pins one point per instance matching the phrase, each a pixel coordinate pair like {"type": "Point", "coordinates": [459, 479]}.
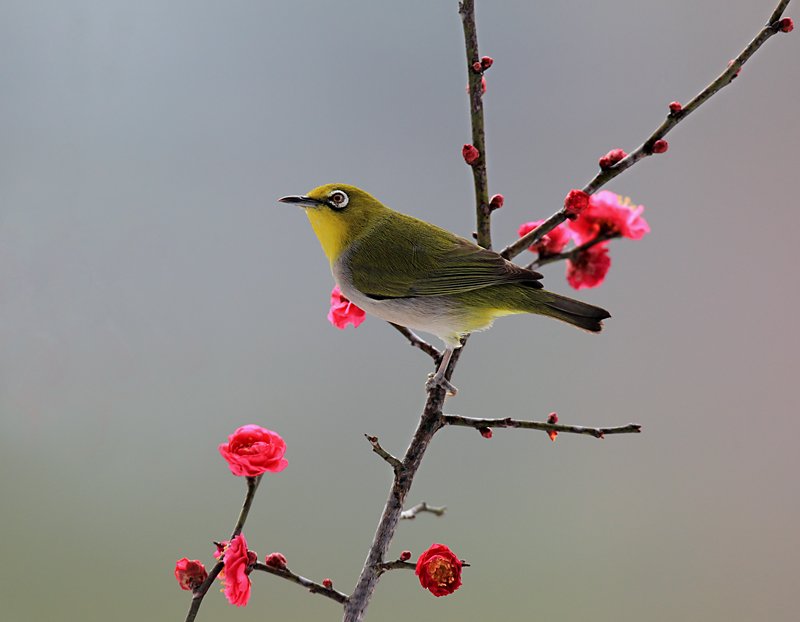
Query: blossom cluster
{"type": "Point", "coordinates": [252, 451]}
{"type": "Point", "coordinates": [605, 215]}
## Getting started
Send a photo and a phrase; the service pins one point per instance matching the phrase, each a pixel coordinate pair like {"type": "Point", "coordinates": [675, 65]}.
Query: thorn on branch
{"type": "Point", "coordinates": [411, 514]}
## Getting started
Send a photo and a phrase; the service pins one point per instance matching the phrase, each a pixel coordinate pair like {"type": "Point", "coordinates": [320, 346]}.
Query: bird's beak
{"type": "Point", "coordinates": [302, 201]}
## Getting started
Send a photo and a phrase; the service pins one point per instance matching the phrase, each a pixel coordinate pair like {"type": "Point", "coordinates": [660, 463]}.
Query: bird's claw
{"type": "Point", "coordinates": [434, 381]}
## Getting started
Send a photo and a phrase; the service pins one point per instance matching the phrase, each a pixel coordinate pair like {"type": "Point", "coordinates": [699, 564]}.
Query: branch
{"type": "Point", "coordinates": [393, 462]}
{"type": "Point", "coordinates": [200, 592]}
{"type": "Point", "coordinates": [573, 253]}
{"type": "Point", "coordinates": [420, 343]}
{"type": "Point", "coordinates": [508, 422]}
{"type": "Point", "coordinates": [411, 514]}
{"type": "Point", "coordinates": [314, 588]}
{"type": "Point", "coordinates": [484, 235]}
{"type": "Point", "coordinates": [429, 424]}
{"type": "Point", "coordinates": [673, 118]}
{"type": "Point", "coordinates": [398, 564]}
{"type": "Point", "coordinates": [646, 148]}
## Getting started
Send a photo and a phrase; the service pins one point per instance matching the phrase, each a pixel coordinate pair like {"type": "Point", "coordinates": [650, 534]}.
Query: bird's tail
{"type": "Point", "coordinates": [580, 314]}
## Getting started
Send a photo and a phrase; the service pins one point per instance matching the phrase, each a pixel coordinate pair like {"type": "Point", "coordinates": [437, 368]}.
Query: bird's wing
{"type": "Point", "coordinates": [405, 259]}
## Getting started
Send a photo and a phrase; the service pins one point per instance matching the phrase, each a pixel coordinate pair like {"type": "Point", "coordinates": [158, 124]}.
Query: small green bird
{"type": "Point", "coordinates": [409, 272]}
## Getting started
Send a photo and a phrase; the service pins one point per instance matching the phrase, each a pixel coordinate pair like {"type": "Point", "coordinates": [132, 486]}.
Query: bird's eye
{"type": "Point", "coordinates": [338, 199]}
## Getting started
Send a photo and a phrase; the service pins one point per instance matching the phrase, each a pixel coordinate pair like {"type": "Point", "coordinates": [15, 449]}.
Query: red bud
{"type": "Point", "coordinates": [476, 66]}
{"type": "Point", "coordinates": [660, 146]}
{"type": "Point", "coordinates": [487, 61]}
{"type": "Point", "coordinates": [785, 25]}
{"type": "Point", "coordinates": [405, 556]}
{"type": "Point", "coordinates": [576, 202]}
{"type": "Point", "coordinates": [327, 584]}
{"type": "Point", "coordinates": [470, 154]}
{"type": "Point", "coordinates": [611, 158]}
{"type": "Point", "coordinates": [675, 107]}
{"type": "Point", "coordinates": [485, 432]}
{"type": "Point", "coordinates": [276, 560]}
{"type": "Point", "coordinates": [553, 418]}
{"type": "Point", "coordinates": [496, 202]}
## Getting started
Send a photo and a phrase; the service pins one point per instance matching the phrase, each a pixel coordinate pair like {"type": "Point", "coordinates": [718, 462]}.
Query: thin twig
{"type": "Point", "coordinates": [314, 588]}
{"type": "Point", "coordinates": [376, 447]}
{"type": "Point", "coordinates": [200, 592]}
{"type": "Point", "coordinates": [573, 253]}
{"type": "Point", "coordinates": [420, 343]}
{"type": "Point", "coordinates": [508, 422]}
{"type": "Point", "coordinates": [411, 513]}
{"type": "Point", "coordinates": [398, 565]}
{"type": "Point", "coordinates": [484, 234]}
{"type": "Point", "coordinates": [646, 148]}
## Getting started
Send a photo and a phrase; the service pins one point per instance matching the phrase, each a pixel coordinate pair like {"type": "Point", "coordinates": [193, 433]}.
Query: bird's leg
{"type": "Point", "coordinates": [438, 379]}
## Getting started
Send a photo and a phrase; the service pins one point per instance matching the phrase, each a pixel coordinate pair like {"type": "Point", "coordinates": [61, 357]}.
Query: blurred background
{"type": "Point", "coordinates": [154, 296]}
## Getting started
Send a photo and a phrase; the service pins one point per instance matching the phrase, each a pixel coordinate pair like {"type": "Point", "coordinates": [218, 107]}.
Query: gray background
{"type": "Point", "coordinates": [154, 296]}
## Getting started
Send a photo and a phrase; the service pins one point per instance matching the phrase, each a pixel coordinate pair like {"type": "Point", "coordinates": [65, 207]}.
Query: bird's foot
{"type": "Point", "coordinates": [434, 380]}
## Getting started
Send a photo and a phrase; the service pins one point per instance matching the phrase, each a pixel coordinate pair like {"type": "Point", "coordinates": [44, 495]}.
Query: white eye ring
{"type": "Point", "coordinates": [341, 199]}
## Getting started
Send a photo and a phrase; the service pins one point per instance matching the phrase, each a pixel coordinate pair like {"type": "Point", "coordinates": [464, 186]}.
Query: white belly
{"type": "Point", "coordinates": [438, 315]}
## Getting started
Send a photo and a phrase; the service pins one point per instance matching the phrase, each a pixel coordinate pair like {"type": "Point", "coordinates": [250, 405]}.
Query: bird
{"type": "Point", "coordinates": [415, 274]}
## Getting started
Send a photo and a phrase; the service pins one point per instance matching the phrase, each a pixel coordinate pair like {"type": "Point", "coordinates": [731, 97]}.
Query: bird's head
{"type": "Point", "coordinates": [340, 215]}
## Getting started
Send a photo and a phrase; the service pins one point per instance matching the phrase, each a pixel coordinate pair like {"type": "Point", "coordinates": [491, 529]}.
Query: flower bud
{"type": "Point", "coordinates": [496, 202]}
{"type": "Point", "coordinates": [190, 573]}
{"type": "Point", "coordinates": [488, 61]}
{"type": "Point", "coordinates": [470, 154]}
{"type": "Point", "coordinates": [405, 556]}
{"type": "Point", "coordinates": [476, 66]}
{"type": "Point", "coordinates": [660, 146]}
{"type": "Point", "coordinates": [675, 107]}
{"type": "Point", "coordinates": [275, 560]}
{"type": "Point", "coordinates": [611, 158]}
{"type": "Point", "coordinates": [327, 584]}
{"type": "Point", "coordinates": [485, 432]}
{"type": "Point", "coordinates": [576, 202]}
{"type": "Point", "coordinates": [221, 546]}
{"type": "Point", "coordinates": [785, 25]}
{"type": "Point", "coordinates": [736, 75]}
{"type": "Point", "coordinates": [553, 418]}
